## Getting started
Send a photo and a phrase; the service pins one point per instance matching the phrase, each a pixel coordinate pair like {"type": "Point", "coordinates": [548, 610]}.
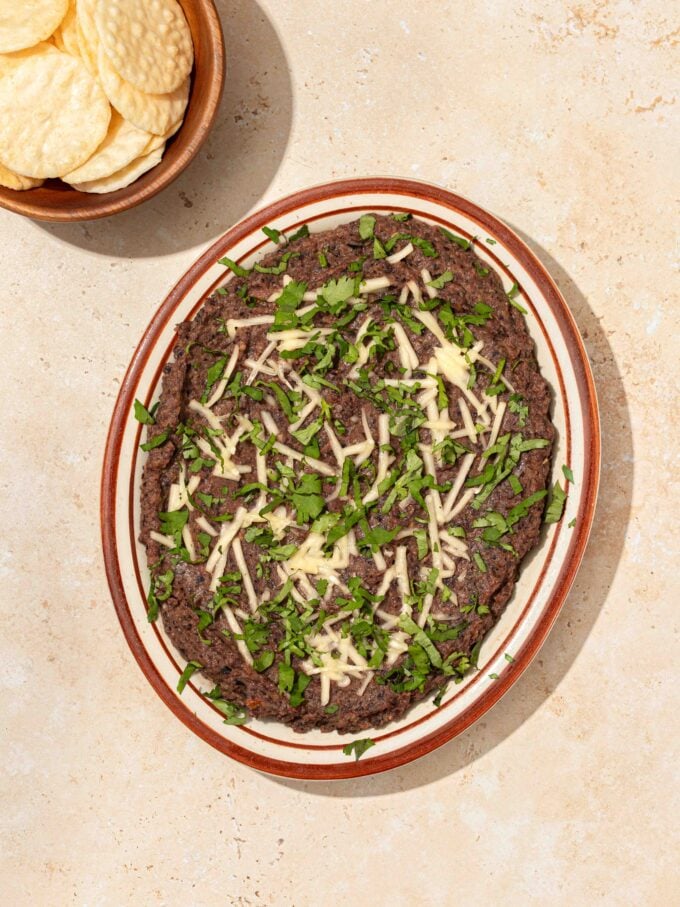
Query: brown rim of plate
{"type": "Point", "coordinates": [56, 202]}
{"type": "Point", "coordinates": [589, 483]}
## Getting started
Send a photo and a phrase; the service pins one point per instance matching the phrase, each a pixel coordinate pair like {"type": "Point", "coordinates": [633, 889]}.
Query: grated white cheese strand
{"type": "Point", "coordinates": [233, 324]}
{"type": "Point", "coordinates": [203, 524]}
{"type": "Point", "coordinates": [385, 458]}
{"type": "Point", "coordinates": [415, 291]}
{"type": "Point", "coordinates": [226, 375]}
{"type": "Point", "coordinates": [207, 414]}
{"type": "Point", "coordinates": [323, 468]}
{"type": "Point", "coordinates": [401, 254]}
{"type": "Point", "coordinates": [461, 476]}
{"type": "Point", "coordinates": [467, 420]}
{"type": "Point", "coordinates": [432, 325]}
{"type": "Point", "coordinates": [427, 280]}
{"type": "Point", "coordinates": [188, 540]}
{"type": "Point", "coordinates": [401, 575]}
{"type": "Point", "coordinates": [217, 560]}
{"type": "Point", "coordinates": [403, 296]}
{"type": "Point", "coordinates": [269, 423]}
{"type": "Point", "coordinates": [462, 504]}
{"type": "Point", "coordinates": [336, 447]}
{"type": "Point", "coordinates": [243, 567]}
{"type": "Point", "coordinates": [235, 628]}
{"type": "Point", "coordinates": [166, 540]}
{"type": "Point", "coordinates": [497, 423]}
{"type": "Point", "coordinates": [260, 361]}
{"type": "Point", "coordinates": [407, 355]}
{"type": "Point", "coordinates": [379, 561]}
{"type": "Point", "coordinates": [456, 547]}
{"type": "Point", "coordinates": [492, 368]}
{"type": "Point", "coordinates": [372, 284]}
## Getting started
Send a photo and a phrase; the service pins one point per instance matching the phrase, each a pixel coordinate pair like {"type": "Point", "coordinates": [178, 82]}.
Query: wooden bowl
{"type": "Point", "coordinates": [56, 201]}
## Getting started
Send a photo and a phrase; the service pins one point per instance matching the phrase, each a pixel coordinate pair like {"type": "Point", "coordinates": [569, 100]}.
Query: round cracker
{"type": "Point", "coordinates": [123, 177]}
{"type": "Point", "coordinates": [69, 31]}
{"type": "Point", "coordinates": [123, 144]}
{"type": "Point", "coordinates": [148, 44]}
{"type": "Point", "coordinates": [23, 23]}
{"type": "Point", "coordinates": [155, 113]}
{"type": "Point", "coordinates": [53, 115]}
{"type": "Point", "coordinates": [11, 180]}
{"type": "Point", "coordinates": [158, 140]}
{"type": "Point", "coordinates": [11, 61]}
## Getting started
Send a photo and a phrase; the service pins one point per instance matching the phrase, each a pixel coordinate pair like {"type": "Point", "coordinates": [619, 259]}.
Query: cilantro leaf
{"type": "Point", "coordinates": [307, 498]}
{"type": "Point", "coordinates": [264, 661]}
{"type": "Point", "coordinates": [366, 226]}
{"type": "Point", "coordinates": [299, 234]}
{"type": "Point", "coordinates": [233, 713]}
{"type": "Point", "coordinates": [237, 269]}
{"type": "Point", "coordinates": [187, 674]}
{"type": "Point", "coordinates": [270, 233]}
{"type": "Point", "coordinates": [305, 435]}
{"type": "Point", "coordinates": [143, 415]}
{"type": "Point", "coordinates": [156, 441]}
{"type": "Point", "coordinates": [378, 537]}
{"type": "Point", "coordinates": [336, 291]}
{"type": "Point", "coordinates": [458, 240]}
{"type": "Point", "coordinates": [358, 747]}
{"type": "Point", "coordinates": [439, 282]}
{"type": "Point", "coordinates": [555, 508]}
{"type": "Point", "coordinates": [286, 306]}
{"type": "Point", "coordinates": [568, 474]}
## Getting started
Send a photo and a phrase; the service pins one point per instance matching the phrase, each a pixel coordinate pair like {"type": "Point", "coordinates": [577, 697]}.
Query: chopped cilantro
{"type": "Point", "coordinates": [322, 258]}
{"type": "Point", "coordinates": [479, 561]}
{"type": "Point", "coordinates": [307, 497]}
{"type": "Point", "coordinates": [420, 535]}
{"type": "Point", "coordinates": [568, 474]}
{"type": "Point", "coordinates": [305, 435]}
{"type": "Point", "coordinates": [339, 290]}
{"type": "Point", "coordinates": [332, 709]}
{"type": "Point", "coordinates": [493, 676]}
{"type": "Point", "coordinates": [281, 267]}
{"type": "Point", "coordinates": [509, 658]}
{"type": "Point", "coordinates": [264, 661]}
{"type": "Point", "coordinates": [511, 294]}
{"type": "Point", "coordinates": [270, 233]}
{"type": "Point", "coordinates": [571, 523]}
{"type": "Point", "coordinates": [301, 233]}
{"type": "Point", "coordinates": [156, 441]}
{"type": "Point", "coordinates": [378, 249]}
{"type": "Point", "coordinates": [236, 268]}
{"type": "Point", "coordinates": [401, 216]}
{"type": "Point", "coordinates": [233, 713]}
{"type": "Point", "coordinates": [458, 240]}
{"type": "Point", "coordinates": [437, 701]}
{"type": "Point", "coordinates": [555, 508]}
{"type": "Point", "coordinates": [187, 674]}
{"type": "Point", "coordinates": [143, 415]}
{"type": "Point", "coordinates": [439, 282]}
{"type": "Point", "coordinates": [358, 747]}
{"type": "Point", "coordinates": [366, 226]}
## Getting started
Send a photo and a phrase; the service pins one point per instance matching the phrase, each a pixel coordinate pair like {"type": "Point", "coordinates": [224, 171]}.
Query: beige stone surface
{"type": "Point", "coordinates": [561, 118]}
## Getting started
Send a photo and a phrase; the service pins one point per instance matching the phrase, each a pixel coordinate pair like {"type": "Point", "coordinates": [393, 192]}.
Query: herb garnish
{"type": "Point", "coordinates": [358, 747]}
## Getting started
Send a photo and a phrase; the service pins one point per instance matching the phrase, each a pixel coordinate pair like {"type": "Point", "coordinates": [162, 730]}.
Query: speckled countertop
{"type": "Point", "coordinates": [558, 117]}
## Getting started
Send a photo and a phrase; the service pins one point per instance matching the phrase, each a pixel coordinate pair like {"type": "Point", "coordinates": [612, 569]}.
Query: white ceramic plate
{"type": "Point", "coordinates": [545, 578]}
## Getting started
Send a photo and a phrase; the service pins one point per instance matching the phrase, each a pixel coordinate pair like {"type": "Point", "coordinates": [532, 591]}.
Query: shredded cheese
{"type": "Point", "coordinates": [401, 254]}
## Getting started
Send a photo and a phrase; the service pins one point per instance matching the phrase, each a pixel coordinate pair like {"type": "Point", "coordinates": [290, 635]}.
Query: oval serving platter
{"type": "Point", "coordinates": [546, 575]}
